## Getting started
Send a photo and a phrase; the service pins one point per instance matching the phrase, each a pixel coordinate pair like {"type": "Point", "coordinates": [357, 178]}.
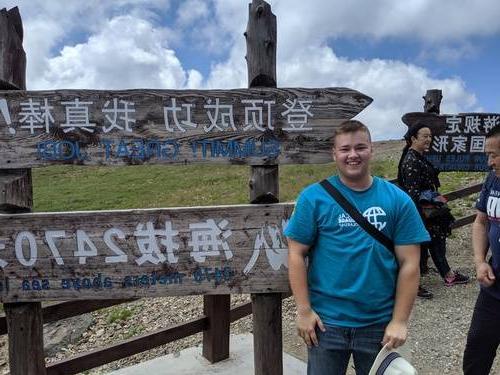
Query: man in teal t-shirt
{"type": "Point", "coordinates": [355, 295]}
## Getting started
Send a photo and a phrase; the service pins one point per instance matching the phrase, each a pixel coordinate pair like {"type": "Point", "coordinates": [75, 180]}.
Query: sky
{"type": "Point", "coordinates": [390, 50]}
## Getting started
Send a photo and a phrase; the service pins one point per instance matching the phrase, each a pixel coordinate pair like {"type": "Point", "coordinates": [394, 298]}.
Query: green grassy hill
{"type": "Point", "coordinates": [73, 188]}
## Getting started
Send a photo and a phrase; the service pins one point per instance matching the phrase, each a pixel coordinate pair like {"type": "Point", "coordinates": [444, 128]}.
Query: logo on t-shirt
{"type": "Point", "coordinates": [376, 216]}
{"type": "Point", "coordinates": [493, 206]}
{"type": "Point", "coordinates": [346, 221]}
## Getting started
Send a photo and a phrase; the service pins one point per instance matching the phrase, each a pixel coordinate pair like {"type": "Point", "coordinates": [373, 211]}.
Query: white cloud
{"type": "Point", "coordinates": [127, 53]}
{"type": "Point", "coordinates": [190, 11]}
{"type": "Point", "coordinates": [424, 19]}
{"type": "Point", "coordinates": [450, 53]}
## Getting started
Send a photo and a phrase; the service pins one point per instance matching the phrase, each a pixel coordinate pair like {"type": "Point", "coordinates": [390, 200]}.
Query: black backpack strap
{"type": "Point", "coordinates": [356, 216]}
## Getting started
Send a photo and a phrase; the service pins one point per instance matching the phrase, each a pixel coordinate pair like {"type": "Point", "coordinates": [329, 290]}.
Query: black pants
{"type": "Point", "coordinates": [483, 337]}
{"type": "Point", "coordinates": [437, 249]}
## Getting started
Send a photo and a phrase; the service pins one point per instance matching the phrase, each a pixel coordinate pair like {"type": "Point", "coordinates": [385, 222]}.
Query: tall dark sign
{"type": "Point", "coordinates": [458, 139]}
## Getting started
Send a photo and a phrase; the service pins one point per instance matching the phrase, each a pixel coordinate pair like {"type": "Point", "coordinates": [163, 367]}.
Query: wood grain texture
{"type": "Point", "coordinates": [16, 193]}
{"type": "Point", "coordinates": [12, 55]}
{"type": "Point", "coordinates": [264, 187]}
{"type": "Point", "coordinates": [253, 235]}
{"type": "Point", "coordinates": [149, 141]}
{"type": "Point", "coordinates": [25, 327]}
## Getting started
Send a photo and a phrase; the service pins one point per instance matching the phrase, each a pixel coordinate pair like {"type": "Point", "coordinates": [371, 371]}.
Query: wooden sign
{"type": "Point", "coordinates": [458, 140]}
{"type": "Point", "coordinates": [245, 126]}
{"type": "Point", "coordinates": [138, 253]}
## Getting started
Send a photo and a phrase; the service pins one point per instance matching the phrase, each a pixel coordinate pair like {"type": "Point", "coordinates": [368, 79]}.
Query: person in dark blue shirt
{"type": "Point", "coordinates": [484, 332]}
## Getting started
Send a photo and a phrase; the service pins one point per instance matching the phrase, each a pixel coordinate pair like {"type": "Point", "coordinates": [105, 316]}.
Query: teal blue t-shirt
{"type": "Point", "coordinates": [351, 276]}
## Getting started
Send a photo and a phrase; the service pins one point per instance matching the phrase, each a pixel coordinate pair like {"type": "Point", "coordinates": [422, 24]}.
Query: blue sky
{"type": "Point", "coordinates": [391, 50]}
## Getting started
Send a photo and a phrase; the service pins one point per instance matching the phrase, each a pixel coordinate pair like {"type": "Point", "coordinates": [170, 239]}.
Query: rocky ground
{"type": "Point", "coordinates": [437, 333]}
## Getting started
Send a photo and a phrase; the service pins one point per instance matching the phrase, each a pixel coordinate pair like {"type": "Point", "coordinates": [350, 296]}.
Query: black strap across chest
{"type": "Point", "coordinates": [357, 216]}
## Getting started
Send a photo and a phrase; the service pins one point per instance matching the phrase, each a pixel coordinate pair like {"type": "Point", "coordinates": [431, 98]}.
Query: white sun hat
{"type": "Point", "coordinates": [390, 362]}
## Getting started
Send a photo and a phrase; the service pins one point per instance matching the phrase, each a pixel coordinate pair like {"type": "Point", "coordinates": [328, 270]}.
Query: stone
{"type": "Point", "coordinates": [60, 334]}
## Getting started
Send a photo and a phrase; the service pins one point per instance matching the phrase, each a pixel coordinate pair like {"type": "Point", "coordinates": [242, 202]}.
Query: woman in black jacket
{"type": "Point", "coordinates": [416, 175]}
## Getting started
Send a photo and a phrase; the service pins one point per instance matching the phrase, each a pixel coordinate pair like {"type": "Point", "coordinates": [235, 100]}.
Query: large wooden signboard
{"type": "Point", "coordinates": [138, 253]}
{"type": "Point", "coordinates": [245, 126]}
{"type": "Point", "coordinates": [458, 140]}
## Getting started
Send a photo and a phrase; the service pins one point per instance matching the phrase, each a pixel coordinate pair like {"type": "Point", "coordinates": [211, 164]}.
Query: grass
{"type": "Point", "coordinates": [74, 188]}
{"type": "Point", "coordinates": [120, 313]}
{"type": "Point", "coordinates": [134, 331]}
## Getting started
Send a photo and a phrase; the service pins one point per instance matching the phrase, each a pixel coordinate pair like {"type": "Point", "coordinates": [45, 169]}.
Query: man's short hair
{"type": "Point", "coordinates": [494, 132]}
{"type": "Point", "coordinates": [350, 126]}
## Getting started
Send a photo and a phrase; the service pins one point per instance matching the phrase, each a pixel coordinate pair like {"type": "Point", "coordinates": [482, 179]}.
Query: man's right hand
{"type": "Point", "coordinates": [306, 326]}
{"type": "Point", "coordinates": [485, 274]}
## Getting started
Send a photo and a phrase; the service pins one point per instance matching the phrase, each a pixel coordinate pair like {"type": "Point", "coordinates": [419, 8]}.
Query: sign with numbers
{"type": "Point", "coordinates": [244, 126]}
{"type": "Point", "coordinates": [138, 253]}
{"type": "Point", "coordinates": [457, 140]}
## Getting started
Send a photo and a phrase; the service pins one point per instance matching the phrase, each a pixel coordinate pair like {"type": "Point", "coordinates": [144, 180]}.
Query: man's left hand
{"type": "Point", "coordinates": [395, 334]}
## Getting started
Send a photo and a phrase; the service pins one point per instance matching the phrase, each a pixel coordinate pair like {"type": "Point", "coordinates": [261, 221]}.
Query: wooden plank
{"type": "Point", "coordinates": [458, 139]}
{"type": "Point", "coordinates": [86, 361]}
{"type": "Point", "coordinates": [457, 194]}
{"type": "Point", "coordinates": [216, 336]}
{"type": "Point", "coordinates": [295, 129]}
{"type": "Point", "coordinates": [268, 341]}
{"type": "Point", "coordinates": [240, 311]}
{"type": "Point", "coordinates": [138, 253]}
{"type": "Point", "coordinates": [12, 55]}
{"type": "Point", "coordinates": [25, 327]}
{"type": "Point", "coordinates": [16, 193]}
{"type": "Point", "coordinates": [463, 221]}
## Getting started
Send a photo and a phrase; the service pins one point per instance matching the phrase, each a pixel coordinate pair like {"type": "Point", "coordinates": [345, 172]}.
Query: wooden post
{"type": "Point", "coordinates": [264, 187]}
{"type": "Point", "coordinates": [24, 320]}
{"type": "Point", "coordinates": [216, 338]}
{"type": "Point", "coordinates": [432, 101]}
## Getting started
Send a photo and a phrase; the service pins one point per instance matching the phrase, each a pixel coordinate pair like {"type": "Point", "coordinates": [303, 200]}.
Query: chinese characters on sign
{"type": "Point", "coordinates": [460, 147]}
{"type": "Point", "coordinates": [37, 115]}
{"type": "Point", "coordinates": [261, 126]}
{"type": "Point", "coordinates": [458, 140]}
{"type": "Point", "coordinates": [464, 134]}
{"type": "Point", "coordinates": [208, 239]}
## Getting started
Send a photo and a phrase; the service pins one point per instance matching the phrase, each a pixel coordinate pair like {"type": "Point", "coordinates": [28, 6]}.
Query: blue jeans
{"type": "Point", "coordinates": [336, 345]}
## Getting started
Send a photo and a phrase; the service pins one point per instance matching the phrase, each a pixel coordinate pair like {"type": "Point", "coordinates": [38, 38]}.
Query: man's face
{"type": "Point", "coordinates": [492, 150]}
{"type": "Point", "coordinates": [352, 153]}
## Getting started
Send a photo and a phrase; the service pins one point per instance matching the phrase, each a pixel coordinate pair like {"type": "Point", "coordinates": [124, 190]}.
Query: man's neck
{"type": "Point", "coordinates": [358, 184]}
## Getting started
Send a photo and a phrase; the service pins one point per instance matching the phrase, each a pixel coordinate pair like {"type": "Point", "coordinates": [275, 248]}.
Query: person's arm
{"type": "Point", "coordinates": [480, 246]}
{"type": "Point", "coordinates": [297, 274]}
{"type": "Point", "coordinates": [408, 257]}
